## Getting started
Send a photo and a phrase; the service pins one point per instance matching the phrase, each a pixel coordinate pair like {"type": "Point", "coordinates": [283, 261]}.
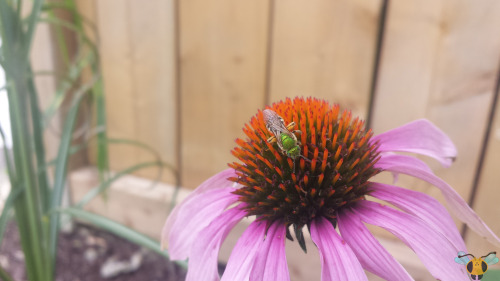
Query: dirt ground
{"type": "Point", "coordinates": [82, 253]}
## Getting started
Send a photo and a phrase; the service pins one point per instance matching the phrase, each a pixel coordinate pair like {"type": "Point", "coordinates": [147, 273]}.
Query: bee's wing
{"type": "Point", "coordinates": [278, 139]}
{"type": "Point", "coordinates": [273, 121]}
{"type": "Point", "coordinates": [491, 258]}
{"type": "Point", "coordinates": [462, 260]}
{"type": "Point", "coordinates": [276, 125]}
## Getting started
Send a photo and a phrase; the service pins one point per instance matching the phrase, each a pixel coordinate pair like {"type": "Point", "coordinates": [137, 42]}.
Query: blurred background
{"type": "Point", "coordinates": [184, 77]}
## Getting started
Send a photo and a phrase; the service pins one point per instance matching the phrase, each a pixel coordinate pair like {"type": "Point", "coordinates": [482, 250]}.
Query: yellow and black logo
{"type": "Point", "coordinates": [476, 266]}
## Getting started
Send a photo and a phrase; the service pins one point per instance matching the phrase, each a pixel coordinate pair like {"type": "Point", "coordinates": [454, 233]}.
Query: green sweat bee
{"type": "Point", "coordinates": [287, 141]}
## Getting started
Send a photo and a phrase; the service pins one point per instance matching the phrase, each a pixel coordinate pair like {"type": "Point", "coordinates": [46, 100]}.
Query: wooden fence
{"type": "Point", "coordinates": [185, 76]}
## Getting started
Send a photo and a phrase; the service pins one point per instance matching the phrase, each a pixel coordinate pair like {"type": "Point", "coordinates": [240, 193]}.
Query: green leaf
{"type": "Point", "coordinates": [32, 22]}
{"type": "Point", "coordinates": [4, 217]}
{"type": "Point", "coordinates": [8, 158]}
{"type": "Point", "coordinates": [120, 230]}
{"type": "Point", "coordinates": [10, 25]}
{"type": "Point", "coordinates": [39, 145]}
{"type": "Point", "coordinates": [102, 146]}
{"type": "Point", "coordinates": [61, 170]}
{"type": "Point", "coordinates": [72, 77]}
{"type": "Point", "coordinates": [27, 207]}
{"type": "Point", "coordinates": [104, 185]}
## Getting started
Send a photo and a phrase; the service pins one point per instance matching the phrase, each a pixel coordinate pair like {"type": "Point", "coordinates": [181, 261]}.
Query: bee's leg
{"type": "Point", "coordinates": [297, 132]}
{"type": "Point", "coordinates": [301, 156]}
{"type": "Point", "coordinates": [271, 139]}
{"type": "Point", "coordinates": [290, 126]}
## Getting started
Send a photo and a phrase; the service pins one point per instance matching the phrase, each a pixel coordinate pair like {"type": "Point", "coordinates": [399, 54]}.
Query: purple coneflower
{"type": "Point", "coordinates": [324, 188]}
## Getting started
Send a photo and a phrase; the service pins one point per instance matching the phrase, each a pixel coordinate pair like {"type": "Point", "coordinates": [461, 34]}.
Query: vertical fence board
{"type": "Point", "coordinates": [439, 62]}
{"type": "Point", "coordinates": [153, 72]}
{"type": "Point", "coordinates": [324, 49]}
{"type": "Point", "coordinates": [488, 197]}
{"type": "Point", "coordinates": [223, 54]}
{"type": "Point", "coordinates": [138, 62]}
{"type": "Point", "coordinates": [464, 83]}
{"type": "Point", "coordinates": [115, 49]}
{"type": "Point", "coordinates": [408, 54]}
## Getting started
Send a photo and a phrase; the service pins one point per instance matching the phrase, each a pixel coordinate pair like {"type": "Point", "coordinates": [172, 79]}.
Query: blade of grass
{"type": "Point", "coordinates": [17, 35]}
{"type": "Point", "coordinates": [86, 55]}
{"type": "Point", "coordinates": [73, 27]}
{"type": "Point", "coordinates": [102, 146]}
{"type": "Point", "coordinates": [97, 90]}
{"type": "Point", "coordinates": [76, 148]}
{"type": "Point", "coordinates": [79, 20]}
{"type": "Point", "coordinates": [63, 49]}
{"type": "Point", "coordinates": [18, 9]}
{"type": "Point", "coordinates": [27, 207]}
{"type": "Point", "coordinates": [8, 159]}
{"type": "Point", "coordinates": [104, 185]}
{"type": "Point", "coordinates": [121, 231]}
{"type": "Point", "coordinates": [15, 49]}
{"type": "Point", "coordinates": [4, 217]}
{"type": "Point", "coordinates": [61, 170]}
{"type": "Point", "coordinates": [39, 146]}
{"type": "Point", "coordinates": [154, 153]}
{"type": "Point", "coordinates": [73, 74]}
{"type": "Point", "coordinates": [32, 23]}
{"type": "Point", "coordinates": [9, 24]}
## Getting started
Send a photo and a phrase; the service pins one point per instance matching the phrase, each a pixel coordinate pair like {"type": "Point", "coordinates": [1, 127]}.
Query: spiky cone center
{"type": "Point", "coordinates": [337, 160]}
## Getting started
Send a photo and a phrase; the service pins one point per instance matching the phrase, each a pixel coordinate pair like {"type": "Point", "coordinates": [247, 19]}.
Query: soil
{"type": "Point", "coordinates": [82, 252]}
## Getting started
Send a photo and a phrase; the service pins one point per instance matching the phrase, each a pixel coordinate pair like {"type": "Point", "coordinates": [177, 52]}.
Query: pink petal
{"type": "Point", "coordinates": [338, 262]}
{"type": "Point", "coordinates": [217, 181]}
{"type": "Point", "coordinates": [372, 256]}
{"type": "Point", "coordinates": [433, 249]}
{"type": "Point", "coordinates": [241, 261]}
{"type": "Point", "coordinates": [409, 160]}
{"type": "Point", "coordinates": [423, 206]}
{"type": "Point", "coordinates": [457, 205]}
{"type": "Point", "coordinates": [270, 263]}
{"type": "Point", "coordinates": [203, 257]}
{"type": "Point", "coordinates": [196, 214]}
{"type": "Point", "coordinates": [420, 136]}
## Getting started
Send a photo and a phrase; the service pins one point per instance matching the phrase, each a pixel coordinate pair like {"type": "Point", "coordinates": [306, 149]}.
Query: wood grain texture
{"type": "Point", "coordinates": [487, 201]}
{"type": "Point", "coordinates": [324, 49]}
{"type": "Point", "coordinates": [138, 61]}
{"type": "Point", "coordinates": [439, 62]}
{"type": "Point", "coordinates": [153, 55]}
{"type": "Point", "coordinates": [115, 47]}
{"type": "Point", "coordinates": [223, 53]}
